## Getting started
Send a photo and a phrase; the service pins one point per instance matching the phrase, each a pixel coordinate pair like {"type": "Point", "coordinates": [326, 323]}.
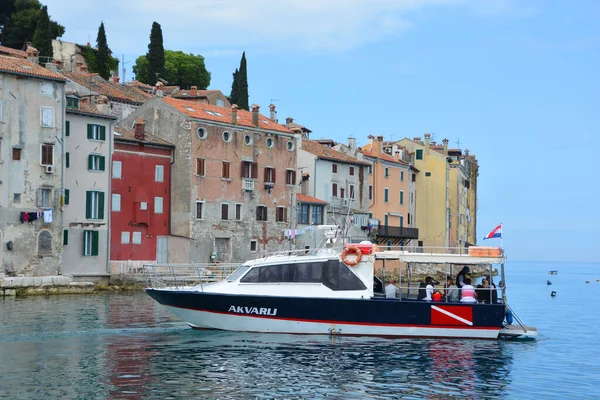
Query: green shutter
{"type": "Point", "coordinates": [95, 243]}
{"type": "Point", "coordinates": [100, 205]}
{"type": "Point", "coordinates": [83, 243]}
{"type": "Point", "coordinates": [65, 237]}
{"type": "Point", "coordinates": [401, 221]}
{"type": "Point", "coordinates": [385, 195]}
{"type": "Point", "coordinates": [102, 133]}
{"type": "Point", "coordinates": [68, 128]}
{"type": "Point", "coordinates": [67, 195]}
{"type": "Point", "coordinates": [401, 197]}
{"type": "Point", "coordinates": [102, 163]}
{"type": "Point", "coordinates": [90, 162]}
{"type": "Point", "coordinates": [88, 204]}
{"type": "Point", "coordinates": [68, 159]}
{"type": "Point", "coordinates": [419, 154]}
{"type": "Point", "coordinates": [90, 130]}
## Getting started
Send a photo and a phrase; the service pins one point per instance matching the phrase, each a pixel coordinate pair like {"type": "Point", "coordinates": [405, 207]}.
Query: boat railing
{"type": "Point", "coordinates": [162, 276]}
{"type": "Point", "coordinates": [433, 250]}
{"type": "Point", "coordinates": [410, 291]}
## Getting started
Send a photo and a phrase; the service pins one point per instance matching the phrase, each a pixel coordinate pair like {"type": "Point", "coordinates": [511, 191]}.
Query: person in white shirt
{"type": "Point", "coordinates": [468, 293]}
{"type": "Point", "coordinates": [391, 291]}
{"type": "Point", "coordinates": [429, 282]}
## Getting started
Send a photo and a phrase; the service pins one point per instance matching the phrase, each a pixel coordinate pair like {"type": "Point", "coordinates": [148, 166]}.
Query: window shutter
{"type": "Point", "coordinates": [67, 195]}
{"type": "Point", "coordinates": [95, 237]}
{"type": "Point", "coordinates": [90, 162]}
{"type": "Point", "coordinates": [293, 177]}
{"type": "Point", "coordinates": [274, 172]}
{"type": "Point", "coordinates": [88, 204]}
{"type": "Point", "coordinates": [242, 169]}
{"type": "Point", "coordinates": [102, 163]}
{"type": "Point", "coordinates": [65, 237]}
{"type": "Point", "coordinates": [90, 131]}
{"type": "Point", "coordinates": [102, 133]}
{"type": "Point", "coordinates": [100, 205]}
{"type": "Point", "coordinates": [285, 214]}
{"type": "Point", "coordinates": [266, 175]}
{"type": "Point", "coordinates": [255, 170]}
{"type": "Point", "coordinates": [68, 128]}
{"type": "Point", "coordinates": [68, 159]}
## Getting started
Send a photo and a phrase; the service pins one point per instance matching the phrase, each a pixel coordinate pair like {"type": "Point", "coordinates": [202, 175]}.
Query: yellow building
{"type": "Point", "coordinates": [391, 194]}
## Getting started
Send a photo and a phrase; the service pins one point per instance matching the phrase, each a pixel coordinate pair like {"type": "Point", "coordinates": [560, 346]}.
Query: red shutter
{"type": "Point", "coordinates": [293, 177]}
{"type": "Point", "coordinates": [274, 172]}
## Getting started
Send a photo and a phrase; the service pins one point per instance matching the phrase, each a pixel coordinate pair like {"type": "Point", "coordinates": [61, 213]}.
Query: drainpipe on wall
{"type": "Point", "coordinates": [62, 172]}
{"type": "Point", "coordinates": [109, 196]}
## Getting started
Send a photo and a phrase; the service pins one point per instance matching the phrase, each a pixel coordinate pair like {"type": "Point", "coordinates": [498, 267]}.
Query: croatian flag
{"type": "Point", "coordinates": [495, 233]}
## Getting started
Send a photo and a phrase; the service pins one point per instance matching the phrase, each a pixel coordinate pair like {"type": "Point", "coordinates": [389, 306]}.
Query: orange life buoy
{"type": "Point", "coordinates": [351, 250]}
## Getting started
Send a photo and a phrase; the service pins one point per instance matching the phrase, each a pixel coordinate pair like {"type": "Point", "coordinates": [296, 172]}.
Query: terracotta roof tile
{"type": "Point", "coordinates": [327, 153]}
{"type": "Point", "coordinates": [24, 67]}
{"type": "Point", "coordinates": [219, 114]}
{"type": "Point", "coordinates": [200, 93]}
{"type": "Point", "coordinates": [128, 135]}
{"type": "Point", "coordinates": [384, 157]}
{"type": "Point", "coordinates": [12, 52]}
{"type": "Point", "coordinates": [302, 198]}
{"type": "Point", "coordinates": [113, 91]}
{"type": "Point", "coordinates": [85, 108]}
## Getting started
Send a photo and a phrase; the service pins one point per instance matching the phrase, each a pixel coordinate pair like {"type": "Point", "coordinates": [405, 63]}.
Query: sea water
{"type": "Point", "coordinates": [127, 346]}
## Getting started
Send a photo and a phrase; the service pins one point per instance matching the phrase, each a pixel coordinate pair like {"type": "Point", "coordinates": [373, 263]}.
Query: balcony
{"type": "Point", "coordinates": [248, 184]}
{"type": "Point", "coordinates": [397, 232]}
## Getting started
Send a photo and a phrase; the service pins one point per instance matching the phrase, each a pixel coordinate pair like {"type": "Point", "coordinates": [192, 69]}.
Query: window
{"type": "Point", "coordinates": [16, 197]}
{"type": "Point", "coordinates": [72, 103]}
{"type": "Point", "coordinates": [224, 211]}
{"type": "Point", "coordinates": [409, 219]}
{"type": "Point", "coordinates": [220, 103]}
{"type": "Point", "coordinates": [290, 145]}
{"type": "Point", "coordinates": [402, 197]}
{"type": "Point", "coordinates": [96, 162]}
{"type": "Point", "coordinates": [419, 154]}
{"type": "Point", "coordinates": [351, 190]}
{"type": "Point", "coordinates": [47, 156]}
{"type": "Point", "coordinates": [402, 176]}
{"type": "Point", "coordinates": [96, 132]}
{"type": "Point", "coordinates": [411, 197]}
{"type": "Point", "coordinates": [226, 136]}
{"type": "Point", "coordinates": [116, 174]}
{"type": "Point", "coordinates": [45, 243]}
{"type": "Point", "coordinates": [116, 202]}
{"type": "Point", "coordinates": [351, 171]}
{"type": "Point", "coordinates": [45, 198]}
{"type": "Point", "coordinates": [67, 159]}
{"type": "Point", "coordinates": [159, 173]}
{"type": "Point", "coordinates": [269, 175]}
{"type": "Point", "coordinates": [158, 205]}
{"type": "Point", "coordinates": [385, 195]}
{"type": "Point", "coordinates": [143, 205]}
{"type": "Point", "coordinates": [199, 210]}
{"type": "Point", "coordinates": [317, 215]}
{"type": "Point", "coordinates": [202, 134]}
{"type": "Point", "coordinates": [47, 89]}
{"type": "Point", "coordinates": [249, 169]}
{"type": "Point", "coordinates": [342, 192]}
{"type": "Point", "coordinates": [47, 116]}
{"type": "Point", "coordinates": [16, 154]}
{"type": "Point", "coordinates": [94, 204]}
{"type": "Point", "coordinates": [334, 188]}
{"type": "Point", "coordinates": [67, 196]}
{"type": "Point", "coordinates": [65, 237]}
{"type": "Point", "coordinates": [200, 167]}
{"type": "Point", "coordinates": [303, 213]}
{"type": "Point", "coordinates": [67, 128]}
{"type": "Point", "coordinates": [427, 173]}
{"type": "Point", "coordinates": [370, 169]}
{"type": "Point", "coordinates": [281, 214]}
{"type": "Point", "coordinates": [370, 192]}
{"type": "Point", "coordinates": [137, 238]}
{"type": "Point", "coordinates": [253, 245]}
{"type": "Point", "coordinates": [90, 243]}
{"type": "Point", "coordinates": [270, 143]}
{"type": "Point", "coordinates": [125, 237]}
{"type": "Point", "coordinates": [414, 177]}
{"type": "Point", "coordinates": [261, 213]}
{"type": "Point", "coordinates": [334, 168]}
{"type": "Point", "coordinates": [225, 170]}
{"type": "Point", "coordinates": [387, 172]}
{"type": "Point", "coordinates": [247, 139]}
{"type": "Point", "coordinates": [290, 177]}
{"type": "Point", "coordinates": [238, 212]}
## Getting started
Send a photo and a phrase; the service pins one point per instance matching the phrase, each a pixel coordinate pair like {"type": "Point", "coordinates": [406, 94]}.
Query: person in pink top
{"type": "Point", "coordinates": [468, 292]}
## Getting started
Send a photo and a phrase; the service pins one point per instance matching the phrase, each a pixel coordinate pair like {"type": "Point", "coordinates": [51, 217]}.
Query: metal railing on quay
{"type": "Point", "coordinates": [161, 276]}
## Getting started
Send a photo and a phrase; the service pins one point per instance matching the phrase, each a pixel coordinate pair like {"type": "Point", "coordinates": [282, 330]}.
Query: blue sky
{"type": "Point", "coordinates": [517, 82]}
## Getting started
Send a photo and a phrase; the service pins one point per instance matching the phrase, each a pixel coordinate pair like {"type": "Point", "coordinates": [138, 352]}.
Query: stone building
{"type": "Point", "coordinates": [233, 178]}
{"type": "Point", "coordinates": [32, 102]}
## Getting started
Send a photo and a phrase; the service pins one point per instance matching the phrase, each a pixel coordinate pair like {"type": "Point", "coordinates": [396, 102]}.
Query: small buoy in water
{"type": "Point", "coordinates": [553, 294]}
{"type": "Point", "coordinates": [548, 283]}
{"type": "Point", "coordinates": [587, 281]}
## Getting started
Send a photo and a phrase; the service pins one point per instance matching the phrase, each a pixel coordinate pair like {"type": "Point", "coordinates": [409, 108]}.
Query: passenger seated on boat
{"type": "Point", "coordinates": [462, 275]}
{"type": "Point", "coordinates": [391, 291]}
{"type": "Point", "coordinates": [426, 289]}
{"type": "Point", "coordinates": [484, 294]}
{"type": "Point", "coordinates": [468, 292]}
{"type": "Point", "coordinates": [451, 291]}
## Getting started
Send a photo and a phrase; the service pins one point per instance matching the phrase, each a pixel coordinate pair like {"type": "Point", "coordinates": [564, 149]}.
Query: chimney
{"type": "Point", "coordinates": [445, 141]}
{"type": "Point", "coordinates": [352, 143]}
{"type": "Point", "coordinates": [255, 109]}
{"type": "Point", "coordinates": [289, 120]}
{"type": "Point", "coordinates": [194, 91]}
{"type": "Point", "coordinates": [138, 129]}
{"type": "Point", "coordinates": [234, 109]}
{"type": "Point", "coordinates": [397, 155]}
{"type": "Point", "coordinates": [417, 139]}
{"type": "Point", "coordinates": [159, 91]}
{"type": "Point", "coordinates": [116, 79]}
{"type": "Point", "coordinates": [466, 152]}
{"type": "Point", "coordinates": [427, 139]}
{"type": "Point", "coordinates": [273, 112]}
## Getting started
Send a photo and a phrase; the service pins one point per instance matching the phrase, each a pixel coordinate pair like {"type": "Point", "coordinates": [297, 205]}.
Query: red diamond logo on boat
{"type": "Point", "coordinates": [451, 315]}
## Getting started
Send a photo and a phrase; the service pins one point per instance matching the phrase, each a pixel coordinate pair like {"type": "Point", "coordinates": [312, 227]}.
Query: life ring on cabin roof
{"type": "Point", "coordinates": [351, 250]}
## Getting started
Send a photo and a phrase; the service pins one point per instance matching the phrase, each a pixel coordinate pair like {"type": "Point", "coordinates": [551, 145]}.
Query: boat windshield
{"type": "Point", "coordinates": [237, 273]}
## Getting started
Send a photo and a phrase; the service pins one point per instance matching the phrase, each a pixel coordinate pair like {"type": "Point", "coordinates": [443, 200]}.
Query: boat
{"type": "Point", "coordinates": [333, 290]}
{"type": "Point", "coordinates": [553, 272]}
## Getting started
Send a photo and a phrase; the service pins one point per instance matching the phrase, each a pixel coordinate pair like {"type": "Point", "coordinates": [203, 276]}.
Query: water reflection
{"type": "Point", "coordinates": [128, 347]}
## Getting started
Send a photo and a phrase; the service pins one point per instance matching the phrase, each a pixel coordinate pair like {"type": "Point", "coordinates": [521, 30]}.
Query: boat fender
{"type": "Point", "coordinates": [509, 317]}
{"type": "Point", "coordinates": [351, 250]}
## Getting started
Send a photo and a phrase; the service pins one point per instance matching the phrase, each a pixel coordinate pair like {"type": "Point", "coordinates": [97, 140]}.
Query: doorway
{"type": "Point", "coordinates": [162, 250]}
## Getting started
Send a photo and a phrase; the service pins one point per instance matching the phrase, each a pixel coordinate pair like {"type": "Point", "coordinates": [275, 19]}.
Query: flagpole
{"type": "Point", "coordinates": [501, 235]}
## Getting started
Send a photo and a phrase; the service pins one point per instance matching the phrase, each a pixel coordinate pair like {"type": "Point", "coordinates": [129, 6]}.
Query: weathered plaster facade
{"type": "Point", "coordinates": [31, 171]}
{"type": "Point", "coordinates": [216, 206]}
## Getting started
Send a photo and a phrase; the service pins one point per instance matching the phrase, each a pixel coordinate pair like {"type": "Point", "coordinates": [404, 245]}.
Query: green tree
{"type": "Point", "coordinates": [103, 55]}
{"type": "Point", "coordinates": [42, 37]}
{"type": "Point", "coordinates": [156, 53]}
{"type": "Point", "coordinates": [19, 22]}
{"type": "Point", "coordinates": [181, 69]}
{"type": "Point", "coordinates": [233, 97]}
{"type": "Point", "coordinates": [242, 85]}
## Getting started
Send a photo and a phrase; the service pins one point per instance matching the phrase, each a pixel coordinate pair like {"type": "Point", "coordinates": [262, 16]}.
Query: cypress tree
{"type": "Point", "coordinates": [233, 97]}
{"type": "Point", "coordinates": [242, 85]}
{"type": "Point", "coordinates": [103, 55]}
{"type": "Point", "coordinates": [42, 37]}
{"type": "Point", "coordinates": [156, 54]}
